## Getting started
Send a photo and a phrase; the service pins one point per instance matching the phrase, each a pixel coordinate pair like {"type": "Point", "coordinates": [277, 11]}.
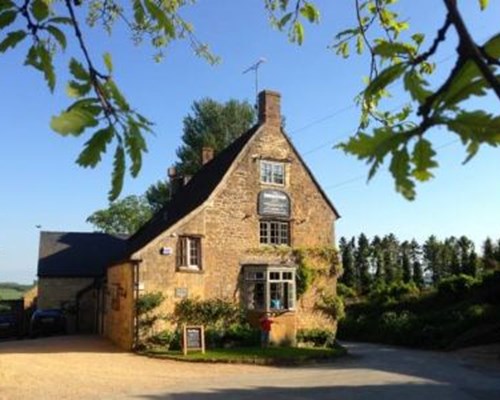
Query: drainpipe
{"type": "Point", "coordinates": [135, 271]}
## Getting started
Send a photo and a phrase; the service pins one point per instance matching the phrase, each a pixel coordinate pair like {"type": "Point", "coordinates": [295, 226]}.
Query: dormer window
{"type": "Point", "coordinates": [272, 172]}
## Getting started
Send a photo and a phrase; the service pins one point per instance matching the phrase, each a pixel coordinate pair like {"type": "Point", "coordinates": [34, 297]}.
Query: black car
{"type": "Point", "coordinates": [47, 322]}
{"type": "Point", "coordinates": [8, 325]}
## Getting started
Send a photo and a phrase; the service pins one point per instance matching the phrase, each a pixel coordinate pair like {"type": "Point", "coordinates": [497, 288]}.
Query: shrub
{"type": "Point", "coordinates": [345, 291]}
{"type": "Point", "coordinates": [393, 293]}
{"type": "Point", "coordinates": [316, 337]}
{"type": "Point", "coordinates": [147, 317]}
{"type": "Point", "coordinates": [214, 313]}
{"type": "Point", "coordinates": [456, 287]}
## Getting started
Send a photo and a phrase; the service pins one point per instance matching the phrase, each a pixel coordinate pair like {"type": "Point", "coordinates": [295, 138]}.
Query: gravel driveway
{"type": "Point", "coordinates": [83, 367]}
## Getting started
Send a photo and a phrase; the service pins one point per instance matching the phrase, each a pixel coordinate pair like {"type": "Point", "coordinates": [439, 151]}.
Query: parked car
{"type": "Point", "coordinates": [9, 325]}
{"type": "Point", "coordinates": [48, 322]}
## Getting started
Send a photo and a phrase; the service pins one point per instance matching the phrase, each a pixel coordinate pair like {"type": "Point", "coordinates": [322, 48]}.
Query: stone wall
{"type": "Point", "coordinates": [54, 292]}
{"type": "Point", "coordinates": [119, 305]}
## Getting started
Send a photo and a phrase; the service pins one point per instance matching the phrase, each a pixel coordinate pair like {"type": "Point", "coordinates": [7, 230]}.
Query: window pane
{"type": "Point", "coordinates": [272, 172]}
{"type": "Point", "coordinates": [278, 174]}
{"type": "Point", "coordinates": [274, 276]}
{"type": "Point", "coordinates": [276, 296]}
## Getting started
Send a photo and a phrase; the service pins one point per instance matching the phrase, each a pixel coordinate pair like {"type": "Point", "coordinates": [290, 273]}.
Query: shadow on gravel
{"type": "Point", "coordinates": [368, 392]}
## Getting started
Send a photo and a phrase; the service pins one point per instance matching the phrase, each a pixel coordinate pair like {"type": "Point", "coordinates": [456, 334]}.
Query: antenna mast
{"type": "Point", "coordinates": [255, 68]}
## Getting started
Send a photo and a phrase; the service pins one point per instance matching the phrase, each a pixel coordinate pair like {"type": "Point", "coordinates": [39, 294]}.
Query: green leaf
{"type": "Point", "coordinates": [12, 40]}
{"type": "Point", "coordinates": [400, 170]}
{"type": "Point", "coordinates": [7, 18]}
{"type": "Point", "coordinates": [418, 38]}
{"type": "Point", "coordinates": [391, 49]}
{"type": "Point", "coordinates": [284, 20]}
{"type": "Point", "coordinates": [385, 78]}
{"type": "Point", "coordinates": [47, 66]}
{"type": "Point", "coordinates": [136, 145]}
{"type": "Point", "coordinates": [310, 12]}
{"type": "Point", "coordinates": [161, 18]}
{"type": "Point", "coordinates": [95, 147]}
{"type": "Point", "coordinates": [6, 5]}
{"type": "Point", "coordinates": [116, 95]}
{"type": "Point", "coordinates": [298, 33]}
{"type": "Point", "coordinates": [61, 20]}
{"type": "Point", "coordinates": [492, 46]}
{"type": "Point", "coordinates": [108, 62]}
{"type": "Point", "coordinates": [58, 35]}
{"type": "Point", "coordinates": [73, 121]}
{"type": "Point", "coordinates": [118, 173]}
{"type": "Point", "coordinates": [422, 158]}
{"type": "Point", "coordinates": [415, 85]}
{"type": "Point", "coordinates": [138, 13]}
{"type": "Point", "coordinates": [476, 126]}
{"type": "Point", "coordinates": [40, 9]}
{"type": "Point", "coordinates": [76, 89]}
{"type": "Point", "coordinates": [78, 70]}
{"type": "Point", "coordinates": [359, 44]}
{"type": "Point", "coordinates": [483, 4]}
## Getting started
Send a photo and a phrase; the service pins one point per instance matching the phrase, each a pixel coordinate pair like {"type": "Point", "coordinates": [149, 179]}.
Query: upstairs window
{"type": "Point", "coordinates": [189, 253]}
{"type": "Point", "coordinates": [272, 172]}
{"type": "Point", "coordinates": [274, 232]}
{"type": "Point", "coordinates": [270, 288]}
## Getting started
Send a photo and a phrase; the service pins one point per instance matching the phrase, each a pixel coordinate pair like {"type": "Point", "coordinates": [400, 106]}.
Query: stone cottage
{"type": "Point", "coordinates": [209, 240]}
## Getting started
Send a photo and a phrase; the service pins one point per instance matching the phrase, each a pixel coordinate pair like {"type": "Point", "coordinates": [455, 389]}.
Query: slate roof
{"type": "Point", "coordinates": [77, 254]}
{"type": "Point", "coordinates": [192, 195]}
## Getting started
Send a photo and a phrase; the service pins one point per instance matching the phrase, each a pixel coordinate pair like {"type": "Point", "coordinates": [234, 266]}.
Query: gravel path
{"type": "Point", "coordinates": [79, 367]}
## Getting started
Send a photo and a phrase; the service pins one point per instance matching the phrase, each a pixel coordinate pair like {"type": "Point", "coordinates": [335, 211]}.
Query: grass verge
{"type": "Point", "coordinates": [254, 355]}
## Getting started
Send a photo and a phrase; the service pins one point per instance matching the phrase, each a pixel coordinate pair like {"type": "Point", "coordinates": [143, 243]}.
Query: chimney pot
{"type": "Point", "coordinates": [172, 172]}
{"type": "Point", "coordinates": [207, 154]}
{"type": "Point", "coordinates": [270, 108]}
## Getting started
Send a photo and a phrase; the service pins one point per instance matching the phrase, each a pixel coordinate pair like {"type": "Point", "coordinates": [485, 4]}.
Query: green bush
{"type": "Point", "coordinates": [456, 287]}
{"type": "Point", "coordinates": [214, 313]}
{"type": "Point", "coordinates": [345, 291]}
{"type": "Point", "coordinates": [316, 337]}
{"type": "Point", "coordinates": [393, 293]}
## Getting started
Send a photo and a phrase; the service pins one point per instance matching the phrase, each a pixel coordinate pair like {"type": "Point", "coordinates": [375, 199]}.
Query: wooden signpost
{"type": "Point", "coordinates": [193, 338]}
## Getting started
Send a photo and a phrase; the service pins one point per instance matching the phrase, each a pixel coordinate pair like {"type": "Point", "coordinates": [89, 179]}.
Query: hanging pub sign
{"type": "Point", "coordinates": [274, 203]}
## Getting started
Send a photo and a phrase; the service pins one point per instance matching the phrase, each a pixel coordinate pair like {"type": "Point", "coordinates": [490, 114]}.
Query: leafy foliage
{"type": "Point", "coordinates": [211, 124]}
{"type": "Point", "coordinates": [123, 216]}
{"type": "Point", "coordinates": [101, 112]}
{"type": "Point", "coordinates": [146, 309]}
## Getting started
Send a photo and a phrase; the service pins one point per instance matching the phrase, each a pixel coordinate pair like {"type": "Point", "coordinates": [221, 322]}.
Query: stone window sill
{"type": "Point", "coordinates": [190, 270]}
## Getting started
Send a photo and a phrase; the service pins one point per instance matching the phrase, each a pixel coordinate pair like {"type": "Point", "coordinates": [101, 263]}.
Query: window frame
{"type": "Point", "coordinates": [266, 235]}
{"type": "Point", "coordinates": [271, 278]}
{"type": "Point", "coordinates": [273, 175]}
{"type": "Point", "coordinates": [185, 247]}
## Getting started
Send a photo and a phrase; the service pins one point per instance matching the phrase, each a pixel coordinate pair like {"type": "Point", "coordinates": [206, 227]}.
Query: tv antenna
{"type": "Point", "coordinates": [255, 67]}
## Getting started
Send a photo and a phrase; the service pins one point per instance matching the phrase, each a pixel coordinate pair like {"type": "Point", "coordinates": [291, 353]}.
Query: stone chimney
{"type": "Point", "coordinates": [207, 153]}
{"type": "Point", "coordinates": [270, 108]}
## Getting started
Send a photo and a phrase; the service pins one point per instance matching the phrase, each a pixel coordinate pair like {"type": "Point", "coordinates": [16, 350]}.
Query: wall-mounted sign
{"type": "Point", "coordinates": [166, 251]}
{"type": "Point", "coordinates": [181, 292]}
{"type": "Point", "coordinates": [274, 203]}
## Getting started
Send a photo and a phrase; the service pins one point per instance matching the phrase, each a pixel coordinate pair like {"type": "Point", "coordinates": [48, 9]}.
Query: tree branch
{"type": "Point", "coordinates": [468, 48]}
{"type": "Point", "coordinates": [441, 36]}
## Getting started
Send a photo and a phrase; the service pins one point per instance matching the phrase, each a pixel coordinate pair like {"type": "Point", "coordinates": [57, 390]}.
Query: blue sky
{"type": "Point", "coordinates": [41, 185]}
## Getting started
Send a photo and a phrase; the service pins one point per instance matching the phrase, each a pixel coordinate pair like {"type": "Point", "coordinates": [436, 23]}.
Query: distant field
{"type": "Point", "coordinates": [12, 291]}
{"type": "Point", "coordinates": [10, 294]}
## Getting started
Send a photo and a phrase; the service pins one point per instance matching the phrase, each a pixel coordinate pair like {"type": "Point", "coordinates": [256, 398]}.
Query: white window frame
{"type": "Point", "coordinates": [281, 236]}
{"type": "Point", "coordinates": [270, 174]}
{"type": "Point", "coordinates": [189, 253]}
{"type": "Point", "coordinates": [268, 279]}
